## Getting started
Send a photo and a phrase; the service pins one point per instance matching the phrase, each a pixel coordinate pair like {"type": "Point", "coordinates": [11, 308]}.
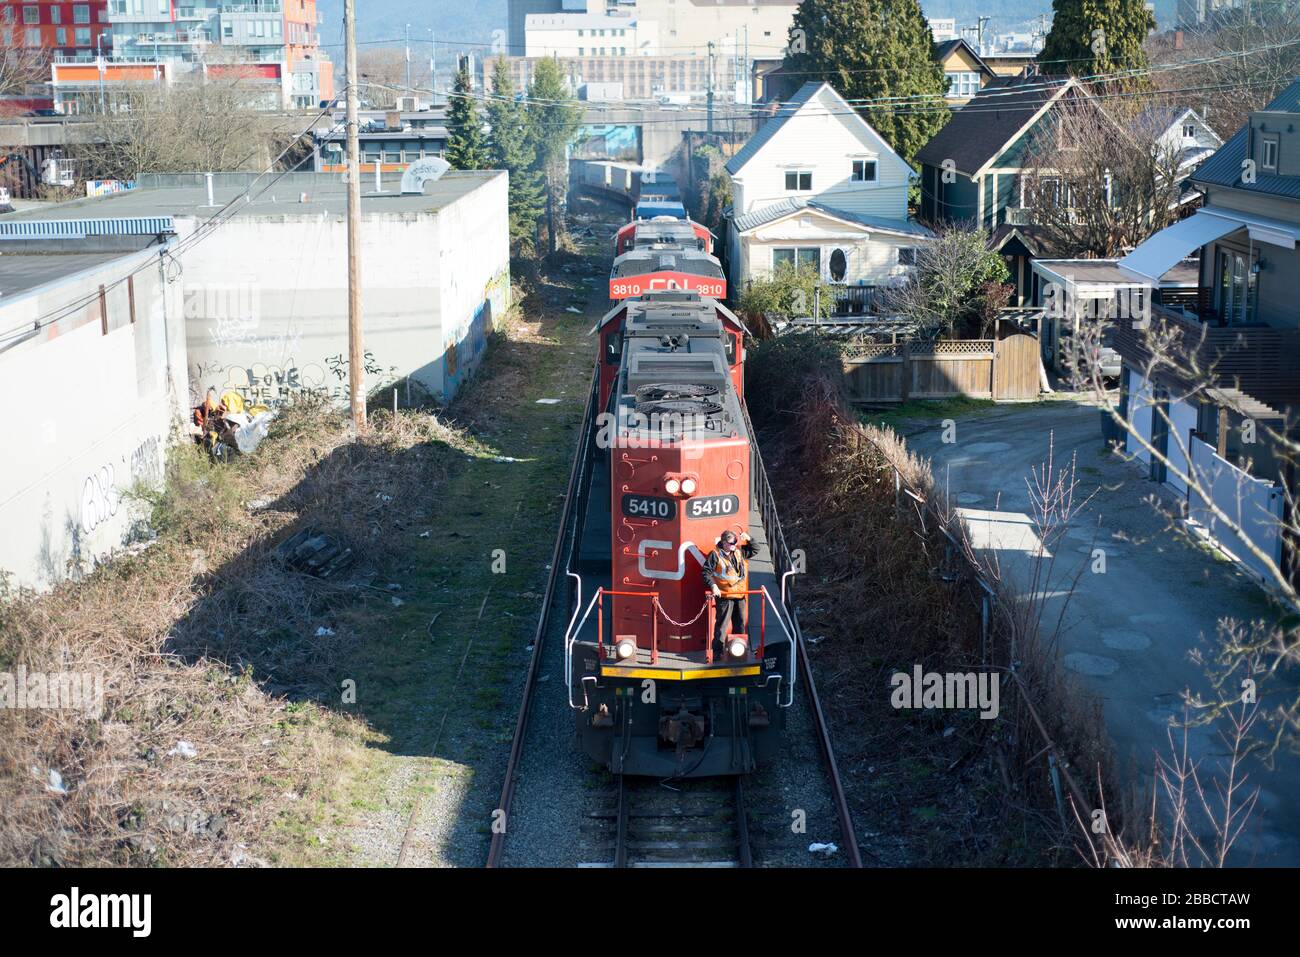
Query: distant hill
{"type": "Point", "coordinates": [455, 24]}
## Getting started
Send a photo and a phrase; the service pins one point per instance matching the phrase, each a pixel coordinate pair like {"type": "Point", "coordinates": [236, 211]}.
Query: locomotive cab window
{"type": "Point", "coordinates": [731, 339]}
{"type": "Point", "coordinates": [614, 348]}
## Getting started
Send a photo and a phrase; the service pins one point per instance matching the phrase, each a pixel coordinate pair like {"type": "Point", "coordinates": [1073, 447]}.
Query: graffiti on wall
{"type": "Point", "coordinates": [99, 498]}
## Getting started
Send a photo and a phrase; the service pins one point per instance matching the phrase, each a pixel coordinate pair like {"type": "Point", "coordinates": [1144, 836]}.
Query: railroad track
{"type": "Point", "coordinates": [650, 823]}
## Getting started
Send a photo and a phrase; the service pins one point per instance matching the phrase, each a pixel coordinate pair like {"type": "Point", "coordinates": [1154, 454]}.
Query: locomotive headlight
{"type": "Point", "coordinates": [625, 649]}
{"type": "Point", "coordinates": [736, 648]}
{"type": "Point", "coordinates": [688, 486]}
{"type": "Point", "coordinates": [672, 486]}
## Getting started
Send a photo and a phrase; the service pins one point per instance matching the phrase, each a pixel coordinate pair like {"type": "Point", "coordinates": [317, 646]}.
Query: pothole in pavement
{"type": "Point", "coordinates": [1122, 639]}
{"type": "Point", "coordinates": [1098, 666]}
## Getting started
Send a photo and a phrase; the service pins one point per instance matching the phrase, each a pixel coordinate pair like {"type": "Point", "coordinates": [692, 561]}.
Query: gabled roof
{"type": "Point", "coordinates": [945, 49]}
{"type": "Point", "coordinates": [1224, 167]}
{"type": "Point", "coordinates": [769, 129]}
{"type": "Point", "coordinates": [792, 107]}
{"type": "Point", "coordinates": [787, 207]}
{"type": "Point", "coordinates": [992, 120]}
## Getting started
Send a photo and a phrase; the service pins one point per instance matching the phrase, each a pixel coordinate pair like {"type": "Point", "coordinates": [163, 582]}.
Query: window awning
{"type": "Point", "coordinates": [1167, 248]}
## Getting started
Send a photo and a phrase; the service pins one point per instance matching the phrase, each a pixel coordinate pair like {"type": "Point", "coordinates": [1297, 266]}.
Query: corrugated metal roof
{"type": "Point", "coordinates": [768, 214]}
{"type": "Point", "coordinates": [1224, 167]}
{"type": "Point", "coordinates": [772, 126]}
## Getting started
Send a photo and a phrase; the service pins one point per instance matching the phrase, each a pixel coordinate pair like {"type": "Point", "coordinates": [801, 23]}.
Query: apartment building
{"type": "Point", "coordinates": [68, 29]}
{"type": "Point", "coordinates": [270, 44]}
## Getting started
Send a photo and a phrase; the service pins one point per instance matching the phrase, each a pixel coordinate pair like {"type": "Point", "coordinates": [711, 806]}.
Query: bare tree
{"type": "Point", "coordinates": [1237, 60]}
{"type": "Point", "coordinates": [383, 75]}
{"type": "Point", "coordinates": [1097, 181]}
{"type": "Point", "coordinates": [209, 126]}
{"type": "Point", "coordinates": [21, 67]}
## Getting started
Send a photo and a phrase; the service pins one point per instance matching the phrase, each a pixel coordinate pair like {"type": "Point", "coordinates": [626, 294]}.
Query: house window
{"type": "Point", "coordinates": [81, 13]}
{"type": "Point", "coordinates": [31, 15]}
{"type": "Point", "coordinates": [82, 36]}
{"type": "Point", "coordinates": [1270, 153]}
{"type": "Point", "coordinates": [801, 257]}
{"type": "Point", "coordinates": [864, 171]}
{"type": "Point", "coordinates": [798, 180]}
{"type": "Point", "coordinates": [1189, 131]}
{"type": "Point", "coordinates": [906, 256]}
{"type": "Point", "coordinates": [56, 14]}
{"type": "Point", "coordinates": [839, 265]}
{"type": "Point", "coordinates": [963, 83]}
{"type": "Point", "coordinates": [33, 37]}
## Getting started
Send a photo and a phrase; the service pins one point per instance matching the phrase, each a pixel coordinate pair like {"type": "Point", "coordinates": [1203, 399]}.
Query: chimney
{"type": "Point", "coordinates": [1178, 39]}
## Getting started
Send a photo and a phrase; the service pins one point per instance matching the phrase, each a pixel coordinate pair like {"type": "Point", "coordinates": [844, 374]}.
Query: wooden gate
{"type": "Point", "coordinates": [1015, 367]}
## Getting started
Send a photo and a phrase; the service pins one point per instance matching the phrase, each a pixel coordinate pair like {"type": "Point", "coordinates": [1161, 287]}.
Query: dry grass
{"type": "Point", "coordinates": [885, 591]}
{"type": "Point", "coordinates": [203, 638]}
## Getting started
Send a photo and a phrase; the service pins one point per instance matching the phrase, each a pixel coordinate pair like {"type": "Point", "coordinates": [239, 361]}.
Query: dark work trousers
{"type": "Point", "coordinates": [730, 620]}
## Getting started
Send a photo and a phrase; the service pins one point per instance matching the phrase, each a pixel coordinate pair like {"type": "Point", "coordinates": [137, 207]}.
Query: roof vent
{"type": "Point", "coordinates": [423, 171]}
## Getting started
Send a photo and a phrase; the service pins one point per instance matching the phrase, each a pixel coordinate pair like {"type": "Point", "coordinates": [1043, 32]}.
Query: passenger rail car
{"type": "Point", "coordinates": [667, 468]}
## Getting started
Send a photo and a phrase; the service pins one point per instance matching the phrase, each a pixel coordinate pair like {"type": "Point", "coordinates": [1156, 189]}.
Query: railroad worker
{"type": "Point", "coordinates": [726, 575]}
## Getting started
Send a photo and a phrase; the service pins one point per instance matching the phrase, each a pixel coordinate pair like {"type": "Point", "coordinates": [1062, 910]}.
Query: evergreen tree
{"type": "Point", "coordinates": [871, 49]}
{"type": "Point", "coordinates": [554, 117]}
{"type": "Point", "coordinates": [466, 146]}
{"type": "Point", "coordinates": [1089, 37]}
{"type": "Point", "coordinates": [510, 148]}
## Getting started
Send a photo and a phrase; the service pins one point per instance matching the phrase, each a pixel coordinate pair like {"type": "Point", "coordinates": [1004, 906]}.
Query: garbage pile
{"type": "Point", "coordinates": [229, 425]}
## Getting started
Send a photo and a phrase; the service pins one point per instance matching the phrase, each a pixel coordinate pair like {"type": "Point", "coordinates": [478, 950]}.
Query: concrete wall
{"type": "Point", "coordinates": [89, 416]}
{"type": "Point", "coordinates": [266, 299]}
{"type": "Point", "coordinates": [871, 258]}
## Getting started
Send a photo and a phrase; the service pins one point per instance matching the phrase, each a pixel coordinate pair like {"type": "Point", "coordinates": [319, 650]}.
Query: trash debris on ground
{"type": "Point", "coordinates": [314, 553]}
{"type": "Point", "coordinates": [505, 458]}
{"type": "Point", "coordinates": [184, 749]}
{"type": "Point", "coordinates": [397, 602]}
{"type": "Point", "coordinates": [258, 504]}
{"type": "Point", "coordinates": [54, 783]}
{"type": "Point", "coordinates": [323, 632]}
{"type": "Point", "coordinates": [574, 310]}
{"type": "Point", "coordinates": [548, 401]}
{"type": "Point", "coordinates": [229, 424]}
{"type": "Point", "coordinates": [826, 850]}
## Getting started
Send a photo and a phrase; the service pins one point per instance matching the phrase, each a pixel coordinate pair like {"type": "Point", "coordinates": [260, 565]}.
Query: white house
{"type": "Point", "coordinates": [816, 184]}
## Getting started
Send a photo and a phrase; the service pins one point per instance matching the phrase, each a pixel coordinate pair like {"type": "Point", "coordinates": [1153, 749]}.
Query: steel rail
{"type": "Point", "coordinates": [781, 562]}
{"type": "Point", "coordinates": [497, 847]}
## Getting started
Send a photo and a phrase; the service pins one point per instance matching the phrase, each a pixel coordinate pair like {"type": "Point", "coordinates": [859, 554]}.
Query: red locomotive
{"type": "Point", "coordinates": [668, 468]}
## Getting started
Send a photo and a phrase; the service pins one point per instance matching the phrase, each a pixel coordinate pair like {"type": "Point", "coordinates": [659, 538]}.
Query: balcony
{"type": "Point", "coordinates": [856, 300]}
{"type": "Point", "coordinates": [1254, 357]}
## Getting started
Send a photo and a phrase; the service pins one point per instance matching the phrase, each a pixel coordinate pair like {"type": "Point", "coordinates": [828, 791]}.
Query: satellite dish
{"type": "Point", "coordinates": [423, 171]}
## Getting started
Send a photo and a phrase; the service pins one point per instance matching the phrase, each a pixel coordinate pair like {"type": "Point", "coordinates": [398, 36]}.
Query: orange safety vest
{"type": "Point", "coordinates": [731, 577]}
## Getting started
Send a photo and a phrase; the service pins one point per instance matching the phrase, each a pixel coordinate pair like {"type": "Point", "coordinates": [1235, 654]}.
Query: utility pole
{"type": "Point", "coordinates": [408, 58]}
{"type": "Point", "coordinates": [356, 362]}
{"type": "Point", "coordinates": [710, 94]}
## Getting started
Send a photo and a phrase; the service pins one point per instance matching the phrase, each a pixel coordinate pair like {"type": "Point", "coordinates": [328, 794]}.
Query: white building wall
{"type": "Point", "coordinates": [91, 418]}
{"type": "Point", "coordinates": [276, 321]}
{"type": "Point", "coordinates": [474, 276]}
{"type": "Point", "coordinates": [822, 139]}
{"type": "Point", "coordinates": [1183, 417]}
{"type": "Point", "coordinates": [871, 258]}
{"type": "Point", "coordinates": [1140, 413]}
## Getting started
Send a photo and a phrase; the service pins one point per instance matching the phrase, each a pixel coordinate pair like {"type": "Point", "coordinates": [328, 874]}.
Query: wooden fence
{"type": "Point", "coordinates": [1000, 369]}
